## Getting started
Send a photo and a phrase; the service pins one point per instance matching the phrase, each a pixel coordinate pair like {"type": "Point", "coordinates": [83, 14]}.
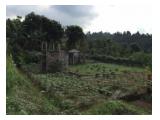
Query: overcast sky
{"type": "Point", "coordinates": [105, 17]}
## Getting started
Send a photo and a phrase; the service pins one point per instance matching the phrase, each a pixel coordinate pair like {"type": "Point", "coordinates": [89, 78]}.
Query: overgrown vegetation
{"type": "Point", "coordinates": [118, 65]}
{"type": "Point", "coordinates": [79, 95]}
{"type": "Point", "coordinates": [97, 67]}
{"type": "Point", "coordinates": [65, 94]}
{"type": "Point", "coordinates": [22, 96]}
{"type": "Point", "coordinates": [136, 59]}
{"type": "Point", "coordinates": [116, 107]}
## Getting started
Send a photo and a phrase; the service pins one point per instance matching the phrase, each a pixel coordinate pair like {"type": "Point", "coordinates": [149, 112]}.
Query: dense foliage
{"type": "Point", "coordinates": [87, 94]}
{"type": "Point", "coordinates": [25, 37]}
{"type": "Point", "coordinates": [91, 88]}
{"type": "Point", "coordinates": [123, 42]}
{"type": "Point", "coordinates": [121, 48]}
{"type": "Point", "coordinates": [75, 35]}
{"type": "Point", "coordinates": [22, 96]}
{"type": "Point", "coordinates": [62, 94]}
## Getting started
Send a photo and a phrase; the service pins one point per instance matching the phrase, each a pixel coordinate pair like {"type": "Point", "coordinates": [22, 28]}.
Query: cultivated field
{"type": "Point", "coordinates": [88, 88]}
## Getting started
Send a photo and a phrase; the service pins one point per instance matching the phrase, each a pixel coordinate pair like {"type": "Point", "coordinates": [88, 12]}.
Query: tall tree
{"type": "Point", "coordinates": [134, 47]}
{"type": "Point", "coordinates": [75, 36]}
{"type": "Point", "coordinates": [14, 34]}
{"type": "Point", "coordinates": [39, 28]}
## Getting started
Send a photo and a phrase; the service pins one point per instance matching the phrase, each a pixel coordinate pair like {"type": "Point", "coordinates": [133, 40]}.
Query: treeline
{"type": "Point", "coordinates": [121, 48]}
{"type": "Point", "coordinates": [133, 42]}
{"type": "Point", "coordinates": [24, 38]}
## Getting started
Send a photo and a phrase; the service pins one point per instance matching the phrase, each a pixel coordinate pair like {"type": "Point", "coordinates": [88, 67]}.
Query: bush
{"type": "Point", "coordinates": [32, 68]}
{"type": "Point", "coordinates": [137, 59]}
{"type": "Point", "coordinates": [13, 76]}
{"type": "Point", "coordinates": [31, 57]}
{"type": "Point", "coordinates": [115, 108]}
{"type": "Point", "coordinates": [144, 58]}
{"type": "Point", "coordinates": [56, 66]}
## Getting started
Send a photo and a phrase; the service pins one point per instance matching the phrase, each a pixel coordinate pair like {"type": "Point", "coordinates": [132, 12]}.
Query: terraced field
{"type": "Point", "coordinates": [93, 68]}
{"type": "Point", "coordinates": [84, 94]}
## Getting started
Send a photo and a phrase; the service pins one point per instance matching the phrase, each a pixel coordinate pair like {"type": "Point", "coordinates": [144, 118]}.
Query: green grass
{"type": "Point", "coordinates": [119, 76]}
{"type": "Point", "coordinates": [116, 107]}
{"type": "Point", "coordinates": [63, 94]}
{"type": "Point", "coordinates": [70, 94]}
{"type": "Point", "coordinates": [75, 95]}
{"type": "Point", "coordinates": [93, 68]}
{"type": "Point", "coordinates": [22, 96]}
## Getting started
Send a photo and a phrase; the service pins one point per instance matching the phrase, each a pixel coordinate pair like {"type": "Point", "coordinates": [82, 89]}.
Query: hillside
{"type": "Point", "coordinates": [63, 94]}
{"type": "Point", "coordinates": [22, 96]}
{"type": "Point", "coordinates": [56, 69]}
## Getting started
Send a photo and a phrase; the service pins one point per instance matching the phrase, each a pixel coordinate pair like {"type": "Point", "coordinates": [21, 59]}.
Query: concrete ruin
{"type": "Point", "coordinates": [74, 56]}
{"type": "Point", "coordinates": [51, 55]}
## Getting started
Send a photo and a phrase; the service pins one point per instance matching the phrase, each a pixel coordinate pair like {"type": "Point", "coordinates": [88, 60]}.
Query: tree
{"type": "Point", "coordinates": [134, 47]}
{"type": "Point", "coordinates": [75, 36]}
{"type": "Point", "coordinates": [26, 36]}
{"type": "Point", "coordinates": [14, 34]}
{"type": "Point", "coordinates": [40, 28]}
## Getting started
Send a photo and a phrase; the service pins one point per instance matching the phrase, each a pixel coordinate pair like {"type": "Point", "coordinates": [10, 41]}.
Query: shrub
{"type": "Point", "coordinates": [115, 108]}
{"type": "Point", "coordinates": [13, 76]}
{"type": "Point", "coordinates": [56, 66]}
{"type": "Point", "coordinates": [137, 59]}
{"type": "Point", "coordinates": [144, 58]}
{"type": "Point", "coordinates": [66, 104]}
{"type": "Point", "coordinates": [31, 57]}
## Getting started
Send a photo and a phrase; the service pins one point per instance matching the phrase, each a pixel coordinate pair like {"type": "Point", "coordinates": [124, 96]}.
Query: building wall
{"type": "Point", "coordinates": [74, 58]}
{"type": "Point", "coordinates": [57, 56]}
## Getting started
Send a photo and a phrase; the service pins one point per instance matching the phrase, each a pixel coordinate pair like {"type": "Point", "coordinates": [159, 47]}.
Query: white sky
{"type": "Point", "coordinates": [111, 17]}
{"type": "Point", "coordinates": [122, 17]}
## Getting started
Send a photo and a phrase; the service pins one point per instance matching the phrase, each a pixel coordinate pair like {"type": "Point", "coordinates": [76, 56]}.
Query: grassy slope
{"type": "Point", "coordinates": [117, 107]}
{"type": "Point", "coordinates": [25, 98]}
{"type": "Point", "coordinates": [82, 96]}
{"type": "Point", "coordinates": [78, 96]}
{"type": "Point", "coordinates": [22, 96]}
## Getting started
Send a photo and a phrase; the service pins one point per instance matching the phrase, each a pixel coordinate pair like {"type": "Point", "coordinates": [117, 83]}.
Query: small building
{"type": "Point", "coordinates": [50, 57]}
{"type": "Point", "coordinates": [74, 56]}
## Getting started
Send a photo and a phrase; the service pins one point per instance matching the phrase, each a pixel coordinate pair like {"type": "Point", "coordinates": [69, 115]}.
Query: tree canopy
{"type": "Point", "coordinates": [41, 28]}
{"type": "Point", "coordinates": [26, 35]}
{"type": "Point", "coordinates": [75, 36]}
